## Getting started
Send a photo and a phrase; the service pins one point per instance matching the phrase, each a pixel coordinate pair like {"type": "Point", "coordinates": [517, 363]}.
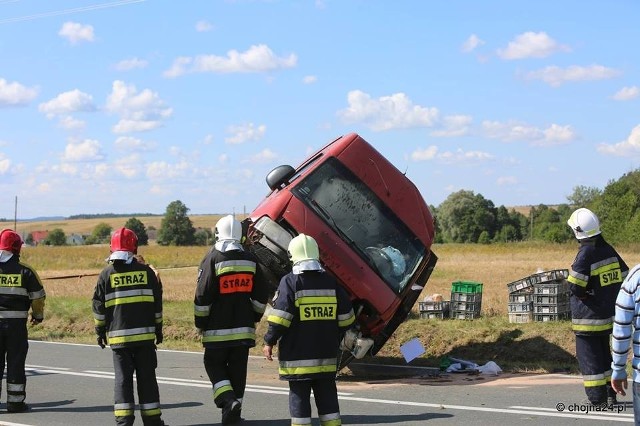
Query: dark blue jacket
{"type": "Point", "coordinates": [595, 278]}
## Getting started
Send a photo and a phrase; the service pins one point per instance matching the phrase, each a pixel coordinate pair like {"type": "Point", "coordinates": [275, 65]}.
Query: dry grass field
{"type": "Point", "coordinates": [69, 275]}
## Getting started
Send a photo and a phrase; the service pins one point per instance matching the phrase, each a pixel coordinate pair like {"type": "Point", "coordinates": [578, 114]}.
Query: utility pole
{"type": "Point", "coordinates": [15, 215]}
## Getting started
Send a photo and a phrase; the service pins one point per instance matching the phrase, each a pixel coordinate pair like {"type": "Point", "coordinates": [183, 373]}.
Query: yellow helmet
{"type": "Point", "coordinates": [303, 247]}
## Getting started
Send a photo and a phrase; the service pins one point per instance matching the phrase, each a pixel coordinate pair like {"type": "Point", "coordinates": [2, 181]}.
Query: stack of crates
{"type": "Point", "coordinates": [521, 300]}
{"type": "Point", "coordinates": [551, 296]}
{"type": "Point", "coordinates": [434, 310]}
{"type": "Point", "coordinates": [543, 296]}
{"type": "Point", "coordinates": [466, 299]}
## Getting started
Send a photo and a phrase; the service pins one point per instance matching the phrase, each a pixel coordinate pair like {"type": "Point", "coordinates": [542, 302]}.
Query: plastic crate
{"type": "Point", "coordinates": [520, 307]}
{"type": "Point", "coordinates": [559, 287]}
{"type": "Point", "coordinates": [466, 297]}
{"type": "Point", "coordinates": [465, 306]}
{"type": "Point", "coordinates": [550, 299]}
{"type": "Point", "coordinates": [520, 285]}
{"type": "Point", "coordinates": [520, 317]}
{"type": "Point", "coordinates": [432, 315]}
{"type": "Point", "coordinates": [551, 317]}
{"type": "Point", "coordinates": [521, 297]}
{"type": "Point", "coordinates": [551, 309]}
{"type": "Point", "coordinates": [465, 315]}
{"type": "Point", "coordinates": [548, 276]}
{"type": "Point", "coordinates": [433, 306]}
{"type": "Point", "coordinates": [466, 287]}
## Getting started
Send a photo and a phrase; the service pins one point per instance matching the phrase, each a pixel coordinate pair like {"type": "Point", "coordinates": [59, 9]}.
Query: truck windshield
{"type": "Point", "coordinates": [363, 221]}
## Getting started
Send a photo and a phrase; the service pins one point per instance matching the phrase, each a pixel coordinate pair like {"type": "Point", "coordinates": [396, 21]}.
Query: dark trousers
{"type": "Point", "coordinates": [227, 370]}
{"type": "Point", "coordinates": [14, 346]}
{"type": "Point", "coordinates": [325, 394]}
{"type": "Point", "coordinates": [143, 361]}
{"type": "Point", "coordinates": [594, 358]}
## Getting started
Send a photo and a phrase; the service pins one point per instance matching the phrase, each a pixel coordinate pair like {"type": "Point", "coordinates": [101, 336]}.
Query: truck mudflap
{"type": "Point", "coordinates": [399, 317]}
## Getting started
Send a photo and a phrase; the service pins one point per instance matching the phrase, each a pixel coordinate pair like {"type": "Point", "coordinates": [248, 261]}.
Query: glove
{"type": "Point", "coordinates": [102, 337]}
{"type": "Point", "coordinates": [158, 337]}
{"type": "Point", "coordinates": [35, 321]}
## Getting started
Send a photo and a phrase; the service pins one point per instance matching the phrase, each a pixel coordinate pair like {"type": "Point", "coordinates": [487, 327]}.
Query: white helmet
{"type": "Point", "coordinates": [584, 223]}
{"type": "Point", "coordinates": [228, 228]}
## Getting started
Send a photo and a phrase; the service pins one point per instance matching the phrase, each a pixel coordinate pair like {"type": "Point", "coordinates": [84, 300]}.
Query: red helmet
{"type": "Point", "coordinates": [10, 241]}
{"type": "Point", "coordinates": [124, 240]}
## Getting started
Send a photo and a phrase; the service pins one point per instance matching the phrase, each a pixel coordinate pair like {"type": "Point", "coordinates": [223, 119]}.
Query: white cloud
{"type": "Point", "coordinates": [472, 43]}
{"type": "Point", "coordinates": [556, 135]}
{"type": "Point", "coordinates": [453, 126]}
{"type": "Point", "coordinates": [258, 58]}
{"type": "Point", "coordinates": [309, 79]}
{"type": "Point", "coordinates": [71, 123]}
{"type": "Point", "coordinates": [264, 156]}
{"type": "Point", "coordinates": [87, 150]}
{"type": "Point", "coordinates": [428, 153]}
{"type": "Point", "coordinates": [138, 111]}
{"type": "Point", "coordinates": [531, 45]}
{"type": "Point", "coordinates": [5, 164]}
{"type": "Point", "coordinates": [556, 76]}
{"type": "Point", "coordinates": [628, 147]}
{"type": "Point", "coordinates": [244, 133]}
{"type": "Point", "coordinates": [68, 102]}
{"type": "Point", "coordinates": [208, 139]}
{"type": "Point", "coordinates": [387, 112]}
{"type": "Point", "coordinates": [130, 64]}
{"type": "Point", "coordinates": [128, 166]}
{"type": "Point", "coordinates": [514, 131]}
{"type": "Point", "coordinates": [506, 180]}
{"type": "Point", "coordinates": [75, 32]}
{"type": "Point", "coordinates": [15, 94]}
{"type": "Point", "coordinates": [129, 143]}
{"type": "Point", "coordinates": [161, 170]}
{"type": "Point", "coordinates": [461, 156]}
{"type": "Point", "coordinates": [223, 158]}
{"type": "Point", "coordinates": [627, 93]}
{"type": "Point", "coordinates": [203, 26]}
{"type": "Point", "coordinates": [449, 157]}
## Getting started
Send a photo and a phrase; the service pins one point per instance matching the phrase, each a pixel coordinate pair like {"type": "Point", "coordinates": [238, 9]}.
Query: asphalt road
{"type": "Point", "coordinates": [73, 385]}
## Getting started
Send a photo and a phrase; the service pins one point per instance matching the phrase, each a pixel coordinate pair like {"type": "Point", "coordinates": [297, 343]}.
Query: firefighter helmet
{"type": "Point", "coordinates": [10, 241]}
{"type": "Point", "coordinates": [584, 223]}
{"type": "Point", "coordinates": [228, 228]}
{"type": "Point", "coordinates": [303, 247]}
{"type": "Point", "coordinates": [124, 240]}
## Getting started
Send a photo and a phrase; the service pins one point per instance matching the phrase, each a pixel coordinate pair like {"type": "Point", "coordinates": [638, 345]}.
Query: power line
{"type": "Point", "coordinates": [69, 11]}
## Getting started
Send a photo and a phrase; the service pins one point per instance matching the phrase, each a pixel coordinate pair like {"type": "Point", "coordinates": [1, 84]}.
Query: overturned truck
{"type": "Point", "coordinates": [372, 226]}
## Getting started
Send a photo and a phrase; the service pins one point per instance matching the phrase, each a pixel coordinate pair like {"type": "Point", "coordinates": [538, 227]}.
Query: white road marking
{"type": "Point", "coordinates": [537, 411]}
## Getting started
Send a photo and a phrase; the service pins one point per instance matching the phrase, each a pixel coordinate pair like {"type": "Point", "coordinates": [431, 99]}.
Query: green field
{"type": "Point", "coordinates": [69, 275]}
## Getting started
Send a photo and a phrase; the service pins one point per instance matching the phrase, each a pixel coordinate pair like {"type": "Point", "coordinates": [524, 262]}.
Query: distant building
{"type": "Point", "coordinates": [75, 240]}
{"type": "Point", "coordinates": [39, 237]}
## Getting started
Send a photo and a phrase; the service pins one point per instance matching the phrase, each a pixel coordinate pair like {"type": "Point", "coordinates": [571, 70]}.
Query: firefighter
{"type": "Point", "coordinates": [127, 310]}
{"type": "Point", "coordinates": [231, 296]}
{"type": "Point", "coordinates": [20, 289]}
{"type": "Point", "coordinates": [310, 313]}
{"type": "Point", "coordinates": [595, 279]}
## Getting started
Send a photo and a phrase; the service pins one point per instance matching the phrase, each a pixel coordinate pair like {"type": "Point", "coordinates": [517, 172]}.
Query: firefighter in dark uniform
{"type": "Point", "coordinates": [20, 290]}
{"type": "Point", "coordinates": [595, 279]}
{"type": "Point", "coordinates": [230, 298]}
{"type": "Point", "coordinates": [127, 310]}
{"type": "Point", "coordinates": [310, 314]}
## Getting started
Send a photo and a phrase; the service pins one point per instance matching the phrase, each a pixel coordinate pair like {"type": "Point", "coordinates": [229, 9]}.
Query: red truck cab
{"type": "Point", "coordinates": [372, 226]}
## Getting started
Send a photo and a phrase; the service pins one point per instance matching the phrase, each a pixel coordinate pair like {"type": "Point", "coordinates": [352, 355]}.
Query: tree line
{"type": "Point", "coordinates": [466, 217]}
{"type": "Point", "coordinates": [175, 229]}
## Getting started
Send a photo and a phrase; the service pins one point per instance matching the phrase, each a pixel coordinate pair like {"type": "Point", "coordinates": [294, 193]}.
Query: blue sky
{"type": "Point", "coordinates": [126, 106]}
